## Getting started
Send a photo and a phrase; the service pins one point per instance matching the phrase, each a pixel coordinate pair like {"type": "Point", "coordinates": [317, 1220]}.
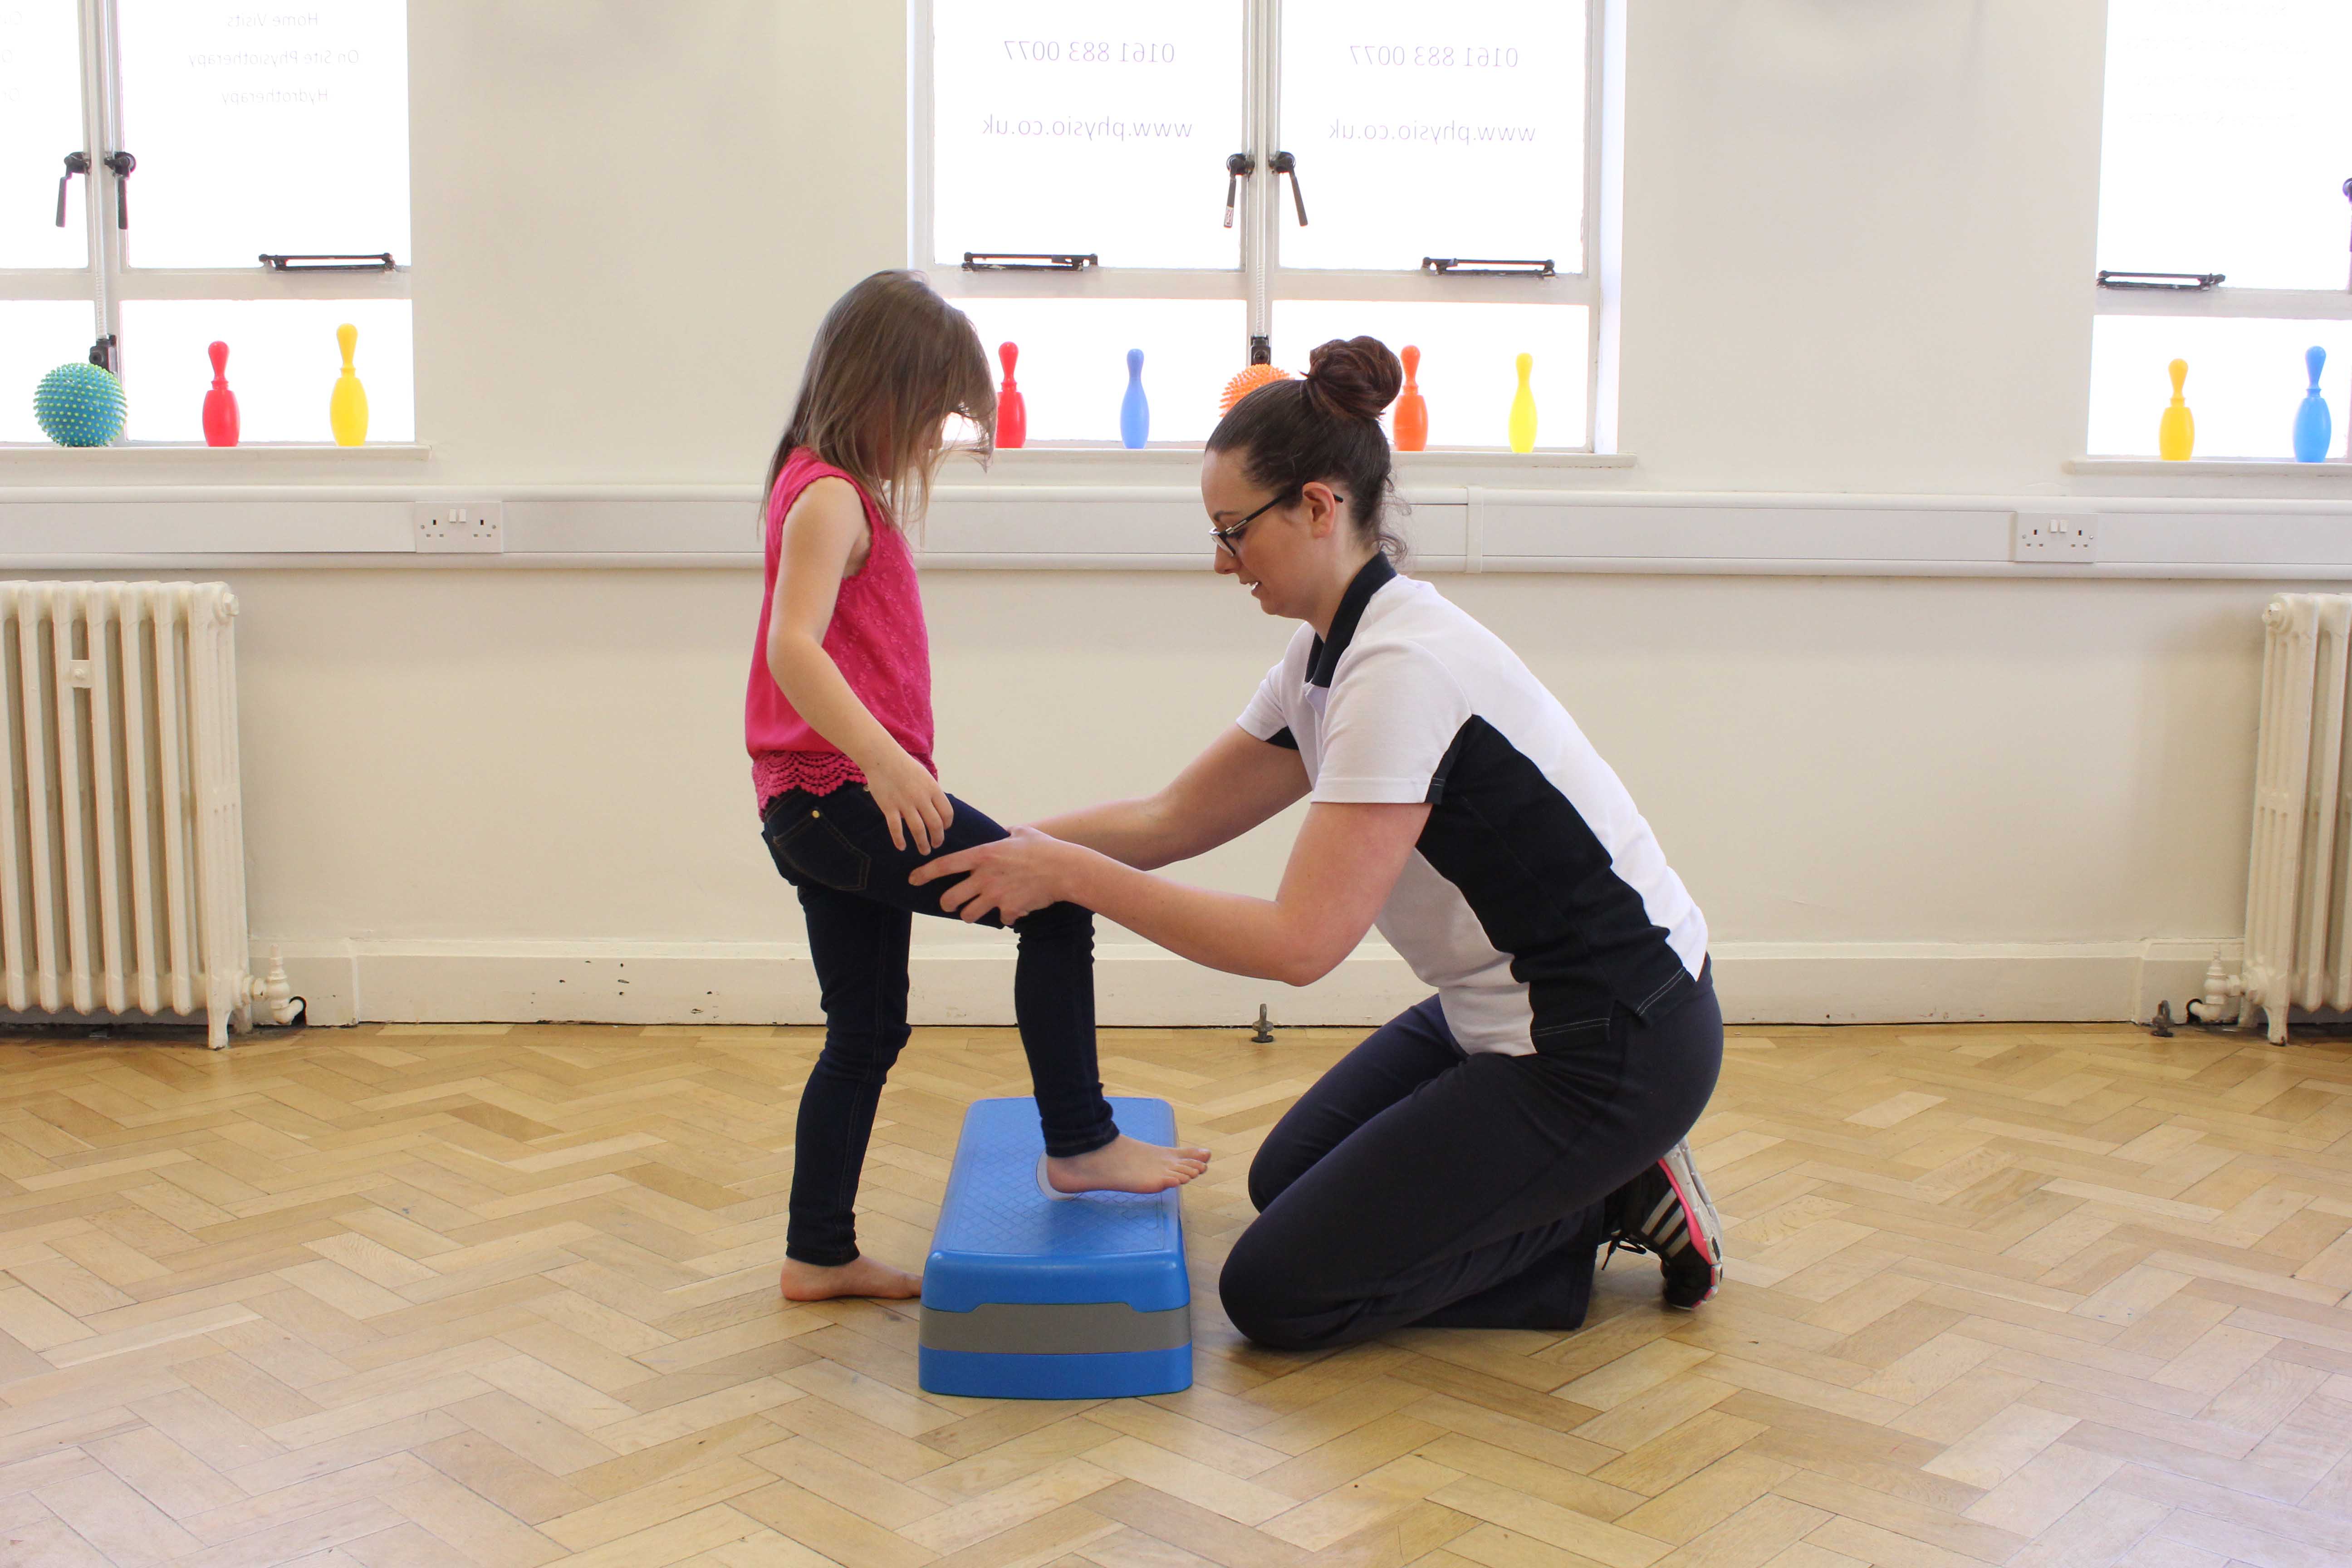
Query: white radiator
{"type": "Point", "coordinates": [2300, 869]}
{"type": "Point", "coordinates": [122, 844]}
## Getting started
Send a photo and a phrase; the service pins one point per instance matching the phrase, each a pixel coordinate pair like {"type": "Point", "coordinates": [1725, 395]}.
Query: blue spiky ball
{"type": "Point", "coordinates": [79, 404]}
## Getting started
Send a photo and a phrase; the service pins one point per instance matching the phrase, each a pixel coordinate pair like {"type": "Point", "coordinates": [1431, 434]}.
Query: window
{"type": "Point", "coordinates": [193, 139]}
{"type": "Point", "coordinates": [1240, 179]}
{"type": "Point", "coordinates": [2228, 136]}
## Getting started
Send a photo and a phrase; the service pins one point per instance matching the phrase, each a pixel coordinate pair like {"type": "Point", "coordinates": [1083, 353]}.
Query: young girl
{"type": "Point", "coordinates": [838, 721]}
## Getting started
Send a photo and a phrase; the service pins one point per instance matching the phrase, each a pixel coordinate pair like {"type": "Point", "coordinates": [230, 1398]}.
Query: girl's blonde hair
{"type": "Point", "coordinates": [892, 362]}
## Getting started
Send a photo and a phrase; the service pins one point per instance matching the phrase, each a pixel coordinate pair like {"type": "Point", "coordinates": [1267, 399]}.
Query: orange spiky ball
{"type": "Point", "coordinates": [1249, 381]}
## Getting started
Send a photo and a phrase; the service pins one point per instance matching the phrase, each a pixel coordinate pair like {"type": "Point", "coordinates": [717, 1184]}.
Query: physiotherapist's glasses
{"type": "Point", "coordinates": [1229, 540]}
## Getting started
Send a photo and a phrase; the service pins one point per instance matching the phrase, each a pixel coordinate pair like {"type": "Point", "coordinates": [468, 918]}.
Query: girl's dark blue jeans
{"type": "Point", "coordinates": [835, 850]}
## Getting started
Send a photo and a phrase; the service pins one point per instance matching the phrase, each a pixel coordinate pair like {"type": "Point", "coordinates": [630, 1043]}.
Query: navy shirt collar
{"type": "Point", "coordinates": [1323, 659]}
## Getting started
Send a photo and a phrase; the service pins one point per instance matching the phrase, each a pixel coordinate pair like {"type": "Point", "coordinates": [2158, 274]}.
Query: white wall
{"type": "Point", "coordinates": [1857, 252]}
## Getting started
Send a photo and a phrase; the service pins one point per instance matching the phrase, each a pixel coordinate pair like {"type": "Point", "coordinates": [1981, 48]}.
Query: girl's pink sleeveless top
{"type": "Point", "coordinates": [876, 638]}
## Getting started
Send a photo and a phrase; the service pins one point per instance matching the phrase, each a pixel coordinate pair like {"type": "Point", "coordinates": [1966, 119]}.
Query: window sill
{"type": "Point", "coordinates": [1175, 457]}
{"type": "Point", "coordinates": [43, 457]}
{"type": "Point", "coordinates": [2208, 469]}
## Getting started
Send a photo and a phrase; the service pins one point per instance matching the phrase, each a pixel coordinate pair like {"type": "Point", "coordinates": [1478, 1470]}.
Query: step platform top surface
{"type": "Point", "coordinates": [1001, 1240]}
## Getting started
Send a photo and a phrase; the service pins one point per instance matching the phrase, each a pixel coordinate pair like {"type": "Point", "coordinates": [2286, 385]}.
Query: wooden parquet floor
{"type": "Point", "coordinates": [2048, 1298]}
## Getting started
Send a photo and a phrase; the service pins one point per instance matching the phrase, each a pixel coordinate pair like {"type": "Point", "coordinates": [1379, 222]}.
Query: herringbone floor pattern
{"type": "Point", "coordinates": [2044, 1298]}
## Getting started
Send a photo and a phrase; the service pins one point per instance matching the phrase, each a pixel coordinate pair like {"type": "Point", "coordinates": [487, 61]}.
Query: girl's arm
{"type": "Point", "coordinates": [1341, 870]}
{"type": "Point", "coordinates": [1239, 782]}
{"type": "Point", "coordinates": [820, 534]}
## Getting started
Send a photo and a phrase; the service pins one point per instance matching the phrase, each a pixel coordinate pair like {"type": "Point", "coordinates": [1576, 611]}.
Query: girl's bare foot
{"type": "Point", "coordinates": [860, 1277]}
{"type": "Point", "coordinates": [1125, 1165]}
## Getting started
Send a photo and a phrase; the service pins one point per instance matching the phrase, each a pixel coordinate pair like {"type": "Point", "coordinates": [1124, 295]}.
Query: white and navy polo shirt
{"type": "Point", "coordinates": [1536, 896]}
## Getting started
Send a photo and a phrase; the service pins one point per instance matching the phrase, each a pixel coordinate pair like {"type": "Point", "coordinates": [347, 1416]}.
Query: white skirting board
{"type": "Point", "coordinates": [1139, 986]}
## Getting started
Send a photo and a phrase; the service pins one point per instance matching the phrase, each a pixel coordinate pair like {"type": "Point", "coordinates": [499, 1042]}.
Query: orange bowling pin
{"type": "Point", "coordinates": [1412, 413]}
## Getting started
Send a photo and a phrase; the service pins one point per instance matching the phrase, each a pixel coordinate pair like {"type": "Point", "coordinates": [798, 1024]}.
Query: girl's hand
{"type": "Point", "coordinates": [1014, 876]}
{"type": "Point", "coordinates": [914, 806]}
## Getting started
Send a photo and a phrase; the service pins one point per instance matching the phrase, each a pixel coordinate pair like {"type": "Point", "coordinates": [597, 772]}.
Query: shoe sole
{"type": "Point", "coordinates": [1700, 1222]}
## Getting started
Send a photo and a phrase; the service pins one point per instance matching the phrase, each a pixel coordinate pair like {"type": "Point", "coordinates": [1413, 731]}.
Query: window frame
{"type": "Point", "coordinates": [107, 281]}
{"type": "Point", "coordinates": [1260, 280]}
{"type": "Point", "coordinates": [2219, 302]}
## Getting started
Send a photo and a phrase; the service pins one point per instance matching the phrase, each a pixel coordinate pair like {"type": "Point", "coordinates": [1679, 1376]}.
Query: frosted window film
{"type": "Point", "coordinates": [1101, 126]}
{"type": "Point", "coordinates": [282, 365]}
{"type": "Point", "coordinates": [1073, 364]}
{"type": "Point", "coordinates": [35, 337]}
{"type": "Point", "coordinates": [2227, 137]}
{"type": "Point", "coordinates": [265, 127]}
{"type": "Point", "coordinates": [1469, 355]}
{"type": "Point", "coordinates": [2246, 378]}
{"type": "Point", "coordinates": [1426, 130]}
{"type": "Point", "coordinates": [40, 122]}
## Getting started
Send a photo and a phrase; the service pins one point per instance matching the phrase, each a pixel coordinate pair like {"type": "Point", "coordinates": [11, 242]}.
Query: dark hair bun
{"type": "Point", "coordinates": [1355, 377]}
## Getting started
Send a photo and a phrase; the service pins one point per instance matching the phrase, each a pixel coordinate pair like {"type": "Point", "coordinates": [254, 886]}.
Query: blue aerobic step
{"type": "Point", "coordinates": [1027, 1297]}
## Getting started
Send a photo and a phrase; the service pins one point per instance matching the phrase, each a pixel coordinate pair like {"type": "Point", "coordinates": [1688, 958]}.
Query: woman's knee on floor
{"type": "Point", "coordinates": [1272, 1170]}
{"type": "Point", "coordinates": [1258, 1290]}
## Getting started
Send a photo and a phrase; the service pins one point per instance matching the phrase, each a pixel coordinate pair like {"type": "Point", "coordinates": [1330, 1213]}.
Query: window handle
{"type": "Point", "coordinates": [2166, 283]}
{"type": "Point", "coordinates": [1283, 164]}
{"type": "Point", "coordinates": [76, 163]}
{"type": "Point", "coordinates": [1239, 166]}
{"type": "Point", "coordinates": [1479, 267]}
{"type": "Point", "coordinates": [121, 163]}
{"type": "Point", "coordinates": [1029, 261]}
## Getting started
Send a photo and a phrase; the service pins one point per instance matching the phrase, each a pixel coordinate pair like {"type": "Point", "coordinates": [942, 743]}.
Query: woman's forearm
{"type": "Point", "coordinates": [1232, 931]}
{"type": "Point", "coordinates": [1132, 832]}
{"type": "Point", "coordinates": [818, 692]}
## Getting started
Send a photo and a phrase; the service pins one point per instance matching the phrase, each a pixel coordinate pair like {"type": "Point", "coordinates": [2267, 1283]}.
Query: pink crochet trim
{"type": "Point", "coordinates": [819, 773]}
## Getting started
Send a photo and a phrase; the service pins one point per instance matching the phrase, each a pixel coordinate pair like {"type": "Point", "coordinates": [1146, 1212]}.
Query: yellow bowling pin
{"type": "Point", "coordinates": [2176, 433]}
{"type": "Point", "coordinates": [1523, 410]}
{"type": "Point", "coordinates": [347, 410]}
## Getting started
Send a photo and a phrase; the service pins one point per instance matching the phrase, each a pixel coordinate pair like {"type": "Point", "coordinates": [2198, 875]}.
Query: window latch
{"type": "Point", "coordinates": [1028, 261]}
{"type": "Point", "coordinates": [76, 163]}
{"type": "Point", "coordinates": [1239, 166]}
{"type": "Point", "coordinates": [102, 353]}
{"type": "Point", "coordinates": [2164, 282]}
{"type": "Point", "coordinates": [121, 163]}
{"type": "Point", "coordinates": [356, 262]}
{"type": "Point", "coordinates": [1477, 266]}
{"type": "Point", "coordinates": [1283, 164]}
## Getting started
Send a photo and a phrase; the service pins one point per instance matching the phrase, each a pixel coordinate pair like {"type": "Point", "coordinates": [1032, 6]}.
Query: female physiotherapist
{"type": "Point", "coordinates": [1462, 1166]}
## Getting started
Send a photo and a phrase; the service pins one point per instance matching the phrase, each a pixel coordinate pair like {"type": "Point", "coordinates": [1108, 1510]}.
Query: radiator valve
{"type": "Point", "coordinates": [2221, 1002]}
{"type": "Point", "coordinates": [276, 994]}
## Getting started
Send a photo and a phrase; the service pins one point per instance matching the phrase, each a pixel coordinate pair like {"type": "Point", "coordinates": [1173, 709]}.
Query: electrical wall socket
{"type": "Point", "coordinates": [477, 527]}
{"type": "Point", "coordinates": [2055, 538]}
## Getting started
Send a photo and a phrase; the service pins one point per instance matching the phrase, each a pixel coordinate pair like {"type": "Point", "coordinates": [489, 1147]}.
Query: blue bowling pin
{"type": "Point", "coordinates": [1134, 413]}
{"type": "Point", "coordinates": [2314, 428]}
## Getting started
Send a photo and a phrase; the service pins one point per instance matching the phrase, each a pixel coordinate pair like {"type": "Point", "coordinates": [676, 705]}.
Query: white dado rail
{"type": "Point", "coordinates": [1526, 526]}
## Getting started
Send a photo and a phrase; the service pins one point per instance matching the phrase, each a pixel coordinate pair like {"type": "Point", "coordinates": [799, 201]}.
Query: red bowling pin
{"type": "Point", "coordinates": [220, 403]}
{"type": "Point", "coordinates": [1011, 409]}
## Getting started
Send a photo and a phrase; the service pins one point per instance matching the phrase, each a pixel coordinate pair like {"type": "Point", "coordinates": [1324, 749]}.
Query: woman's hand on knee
{"type": "Point", "coordinates": [1012, 877]}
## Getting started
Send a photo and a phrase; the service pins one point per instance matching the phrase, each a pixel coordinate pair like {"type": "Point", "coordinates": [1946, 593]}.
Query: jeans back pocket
{"type": "Point", "coordinates": [806, 847]}
{"type": "Point", "coordinates": [1555, 1038]}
